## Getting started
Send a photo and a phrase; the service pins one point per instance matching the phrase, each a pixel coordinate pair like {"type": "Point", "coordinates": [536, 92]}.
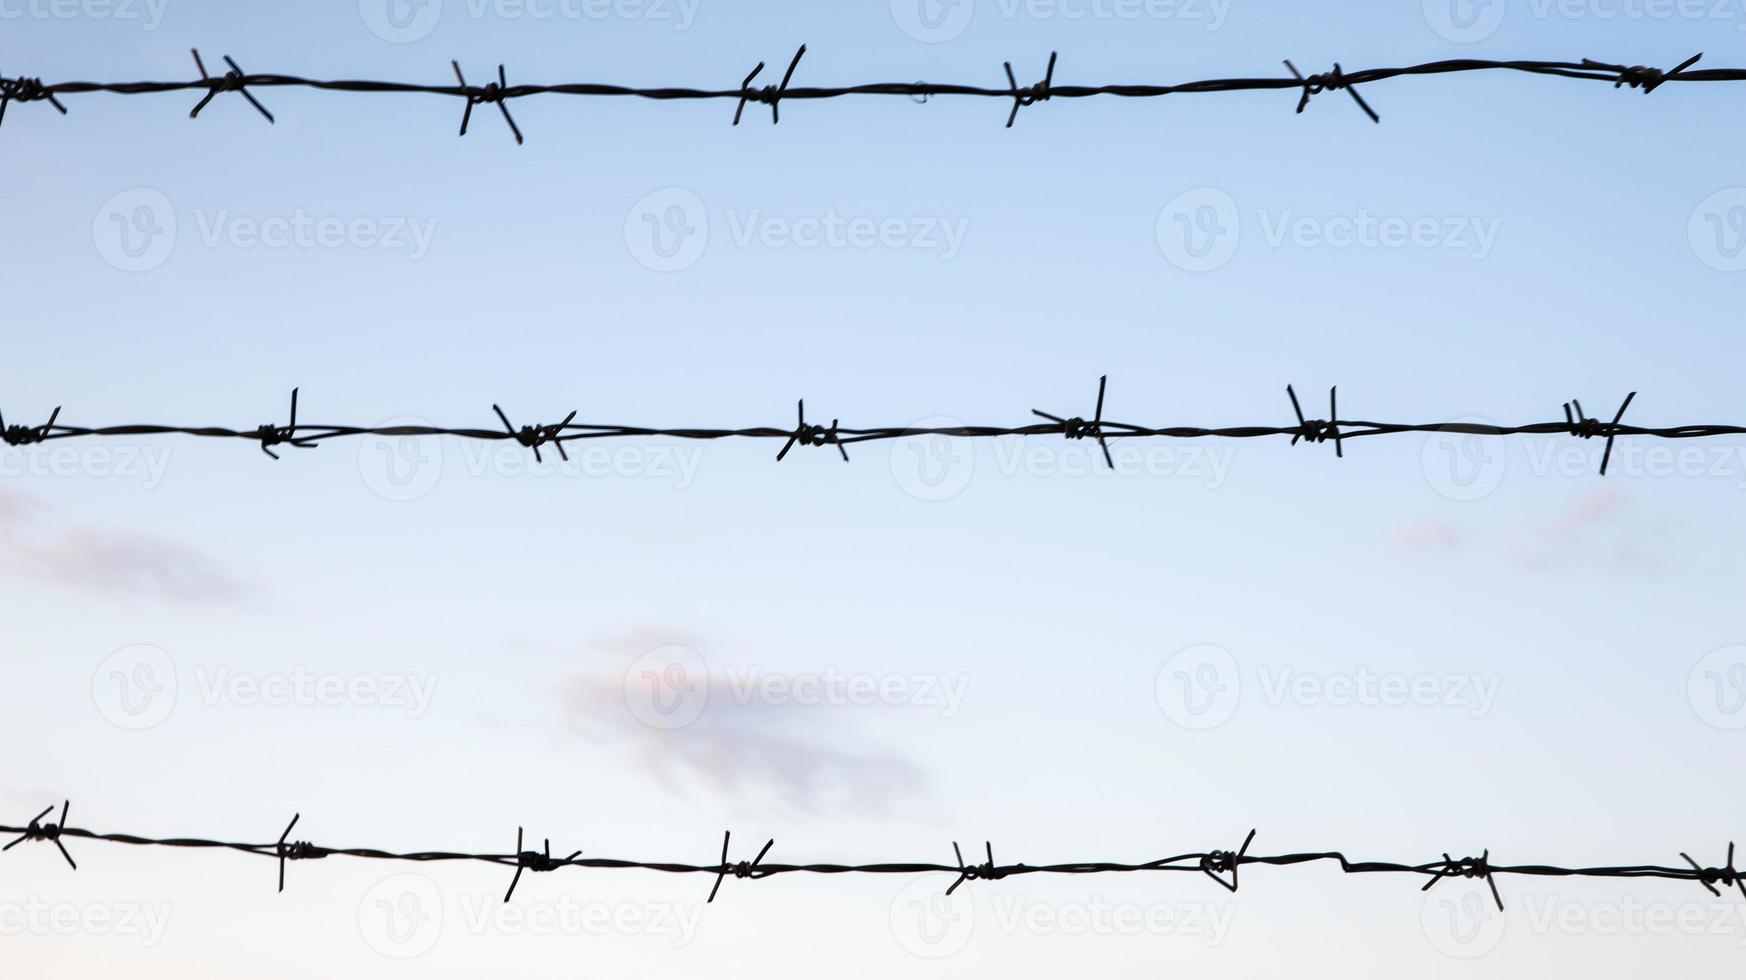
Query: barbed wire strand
{"type": "Point", "coordinates": [1222, 866]}
{"type": "Point", "coordinates": [1315, 431]}
{"type": "Point", "coordinates": [500, 93]}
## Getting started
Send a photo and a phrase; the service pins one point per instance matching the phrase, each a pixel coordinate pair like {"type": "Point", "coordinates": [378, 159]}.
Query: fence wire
{"type": "Point", "coordinates": [1222, 866]}
{"type": "Point", "coordinates": [501, 93]}
{"type": "Point", "coordinates": [1316, 431]}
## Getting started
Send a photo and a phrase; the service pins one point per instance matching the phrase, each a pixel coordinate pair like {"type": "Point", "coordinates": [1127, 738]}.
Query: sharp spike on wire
{"type": "Point", "coordinates": [231, 81]}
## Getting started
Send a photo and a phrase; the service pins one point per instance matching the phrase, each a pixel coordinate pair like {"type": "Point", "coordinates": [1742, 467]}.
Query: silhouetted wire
{"type": "Point", "coordinates": [1222, 866]}
{"type": "Point", "coordinates": [500, 93]}
{"type": "Point", "coordinates": [307, 435]}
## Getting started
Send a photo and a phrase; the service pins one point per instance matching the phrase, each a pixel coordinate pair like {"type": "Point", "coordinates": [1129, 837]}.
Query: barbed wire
{"type": "Point", "coordinates": [500, 93]}
{"type": "Point", "coordinates": [1222, 866]}
{"type": "Point", "coordinates": [306, 435]}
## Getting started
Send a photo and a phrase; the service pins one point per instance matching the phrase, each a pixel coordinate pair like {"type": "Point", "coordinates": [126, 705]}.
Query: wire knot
{"type": "Point", "coordinates": [1077, 428]}
{"type": "Point", "coordinates": [231, 81]}
{"type": "Point", "coordinates": [770, 95]}
{"type": "Point", "coordinates": [538, 862]}
{"type": "Point", "coordinates": [302, 850]}
{"type": "Point", "coordinates": [1330, 81]}
{"type": "Point", "coordinates": [1578, 424]}
{"type": "Point", "coordinates": [27, 435]}
{"type": "Point", "coordinates": [1318, 431]}
{"type": "Point", "coordinates": [1217, 864]}
{"type": "Point", "coordinates": [739, 869]}
{"type": "Point", "coordinates": [805, 434]}
{"type": "Point", "coordinates": [534, 436]}
{"type": "Point", "coordinates": [492, 93]}
{"type": "Point", "coordinates": [1727, 877]}
{"type": "Point", "coordinates": [986, 871]}
{"type": "Point", "coordinates": [1468, 867]}
{"type": "Point", "coordinates": [23, 89]}
{"type": "Point", "coordinates": [1029, 94]}
{"type": "Point", "coordinates": [271, 435]}
{"type": "Point", "coordinates": [1642, 76]}
{"type": "Point", "coordinates": [36, 830]}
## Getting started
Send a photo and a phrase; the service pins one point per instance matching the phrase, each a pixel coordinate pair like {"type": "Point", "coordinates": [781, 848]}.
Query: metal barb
{"type": "Point", "coordinates": [1467, 867]}
{"type": "Point", "coordinates": [1217, 863]}
{"type": "Point", "coordinates": [271, 435]}
{"type": "Point", "coordinates": [231, 81]}
{"type": "Point", "coordinates": [1030, 94]}
{"type": "Point", "coordinates": [26, 89]}
{"type": "Point", "coordinates": [1641, 76]}
{"type": "Point", "coordinates": [37, 830]}
{"type": "Point", "coordinates": [535, 436]}
{"type": "Point", "coordinates": [770, 95]}
{"type": "Point", "coordinates": [1710, 877]}
{"type": "Point", "coordinates": [496, 93]}
{"type": "Point", "coordinates": [975, 872]}
{"type": "Point", "coordinates": [812, 435]}
{"type": "Point", "coordinates": [1077, 428]}
{"type": "Point", "coordinates": [744, 869]}
{"type": "Point", "coordinates": [539, 862]}
{"type": "Point", "coordinates": [1329, 82]}
{"type": "Point", "coordinates": [1318, 431]}
{"type": "Point", "coordinates": [295, 851]}
{"type": "Point", "coordinates": [1582, 427]}
{"type": "Point", "coordinates": [27, 435]}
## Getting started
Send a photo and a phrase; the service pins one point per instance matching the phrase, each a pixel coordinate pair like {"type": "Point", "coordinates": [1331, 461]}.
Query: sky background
{"type": "Point", "coordinates": [1080, 666]}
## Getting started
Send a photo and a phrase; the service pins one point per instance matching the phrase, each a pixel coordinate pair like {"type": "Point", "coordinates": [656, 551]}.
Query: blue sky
{"type": "Point", "coordinates": [179, 607]}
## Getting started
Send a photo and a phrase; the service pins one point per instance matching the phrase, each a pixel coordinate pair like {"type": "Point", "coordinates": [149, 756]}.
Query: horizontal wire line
{"type": "Point", "coordinates": [1221, 865]}
{"type": "Point", "coordinates": [500, 93]}
{"type": "Point", "coordinates": [305, 435]}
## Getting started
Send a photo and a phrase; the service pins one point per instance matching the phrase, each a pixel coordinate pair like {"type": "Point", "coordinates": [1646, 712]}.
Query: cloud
{"type": "Point", "coordinates": [809, 759]}
{"type": "Point", "coordinates": [1596, 529]}
{"type": "Point", "coordinates": [107, 561]}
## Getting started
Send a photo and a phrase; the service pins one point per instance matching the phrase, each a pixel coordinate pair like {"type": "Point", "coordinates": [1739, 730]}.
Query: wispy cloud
{"type": "Point", "coordinates": [1596, 529]}
{"type": "Point", "coordinates": [107, 561]}
{"type": "Point", "coordinates": [811, 759]}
